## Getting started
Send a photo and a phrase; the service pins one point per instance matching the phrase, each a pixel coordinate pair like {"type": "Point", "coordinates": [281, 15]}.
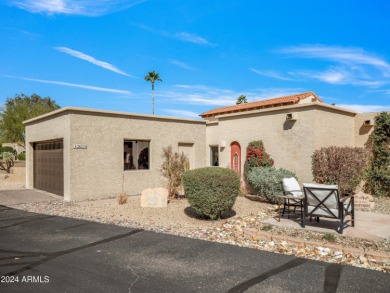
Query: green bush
{"type": "Point", "coordinates": [7, 149]}
{"type": "Point", "coordinates": [22, 157]}
{"type": "Point", "coordinates": [267, 181]}
{"type": "Point", "coordinates": [211, 191]}
{"type": "Point", "coordinates": [378, 172]}
{"type": "Point", "coordinates": [343, 166]}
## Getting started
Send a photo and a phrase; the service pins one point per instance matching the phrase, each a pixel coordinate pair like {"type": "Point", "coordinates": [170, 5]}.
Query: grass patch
{"type": "Point", "coordinates": [329, 237]}
{"type": "Point", "coordinates": [266, 228]}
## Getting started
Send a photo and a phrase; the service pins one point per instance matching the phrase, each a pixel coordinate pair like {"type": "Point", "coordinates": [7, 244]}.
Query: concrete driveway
{"type": "Point", "coordinates": [20, 196]}
{"type": "Point", "coordinates": [55, 254]}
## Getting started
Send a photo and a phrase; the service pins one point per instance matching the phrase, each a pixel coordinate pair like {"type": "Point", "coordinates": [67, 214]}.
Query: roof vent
{"type": "Point", "coordinates": [291, 116]}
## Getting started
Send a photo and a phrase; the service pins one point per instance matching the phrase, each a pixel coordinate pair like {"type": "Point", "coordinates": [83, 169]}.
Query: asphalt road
{"type": "Point", "coordinates": [55, 254]}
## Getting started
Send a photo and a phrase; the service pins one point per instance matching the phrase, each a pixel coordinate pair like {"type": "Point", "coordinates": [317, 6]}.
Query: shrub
{"type": "Point", "coordinates": [267, 181]}
{"type": "Point", "coordinates": [266, 228]}
{"type": "Point", "coordinates": [7, 149]}
{"type": "Point", "coordinates": [22, 157]}
{"type": "Point", "coordinates": [6, 161]}
{"type": "Point", "coordinates": [329, 237]}
{"type": "Point", "coordinates": [172, 169]}
{"type": "Point", "coordinates": [122, 198]}
{"type": "Point", "coordinates": [211, 191]}
{"type": "Point", "coordinates": [378, 173]}
{"type": "Point", "coordinates": [257, 156]}
{"type": "Point", "coordinates": [343, 166]}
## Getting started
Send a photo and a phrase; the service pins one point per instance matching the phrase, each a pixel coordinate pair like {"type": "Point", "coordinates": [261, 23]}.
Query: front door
{"type": "Point", "coordinates": [235, 157]}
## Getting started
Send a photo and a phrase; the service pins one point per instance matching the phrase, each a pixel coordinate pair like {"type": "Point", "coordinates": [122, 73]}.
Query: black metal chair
{"type": "Point", "coordinates": [324, 201]}
{"type": "Point", "coordinates": [292, 196]}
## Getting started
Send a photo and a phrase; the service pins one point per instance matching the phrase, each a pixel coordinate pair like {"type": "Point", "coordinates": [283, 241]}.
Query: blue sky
{"type": "Point", "coordinates": [95, 54]}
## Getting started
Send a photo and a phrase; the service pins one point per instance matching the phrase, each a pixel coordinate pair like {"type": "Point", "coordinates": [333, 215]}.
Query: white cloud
{"type": "Point", "coordinates": [211, 96]}
{"type": "Point", "coordinates": [191, 38]}
{"type": "Point", "coordinates": [353, 65]}
{"type": "Point", "coordinates": [338, 54]}
{"type": "Point", "coordinates": [92, 60]}
{"type": "Point", "coordinates": [269, 73]}
{"type": "Point", "coordinates": [89, 87]}
{"type": "Point", "coordinates": [76, 7]}
{"type": "Point", "coordinates": [365, 108]}
{"type": "Point", "coordinates": [182, 36]}
{"type": "Point", "coordinates": [181, 64]}
{"type": "Point", "coordinates": [182, 113]}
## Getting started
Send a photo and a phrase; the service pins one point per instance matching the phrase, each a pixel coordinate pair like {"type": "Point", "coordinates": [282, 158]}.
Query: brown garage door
{"type": "Point", "coordinates": [49, 166]}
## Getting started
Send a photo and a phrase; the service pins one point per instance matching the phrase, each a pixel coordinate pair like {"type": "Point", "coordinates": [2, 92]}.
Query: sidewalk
{"type": "Point", "coordinates": [370, 226]}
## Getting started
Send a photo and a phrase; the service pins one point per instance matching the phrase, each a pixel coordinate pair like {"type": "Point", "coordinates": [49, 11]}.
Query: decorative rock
{"type": "Point", "coordinates": [3, 176]}
{"type": "Point", "coordinates": [364, 200]}
{"type": "Point", "coordinates": [154, 198]}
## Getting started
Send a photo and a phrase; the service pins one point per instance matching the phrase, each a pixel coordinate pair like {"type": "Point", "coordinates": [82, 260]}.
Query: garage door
{"type": "Point", "coordinates": [49, 166]}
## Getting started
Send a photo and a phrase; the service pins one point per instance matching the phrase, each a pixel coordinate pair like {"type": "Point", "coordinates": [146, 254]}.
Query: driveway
{"type": "Point", "coordinates": [55, 254]}
{"type": "Point", "coordinates": [14, 197]}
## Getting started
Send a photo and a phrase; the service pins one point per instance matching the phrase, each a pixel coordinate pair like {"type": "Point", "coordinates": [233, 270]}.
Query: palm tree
{"type": "Point", "coordinates": [241, 100]}
{"type": "Point", "coordinates": [152, 77]}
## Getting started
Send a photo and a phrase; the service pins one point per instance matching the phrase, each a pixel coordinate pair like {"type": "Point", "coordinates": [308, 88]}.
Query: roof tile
{"type": "Point", "coordinates": [275, 102]}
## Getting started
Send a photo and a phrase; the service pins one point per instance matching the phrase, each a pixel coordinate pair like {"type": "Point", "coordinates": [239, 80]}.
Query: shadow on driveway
{"type": "Point", "coordinates": [56, 254]}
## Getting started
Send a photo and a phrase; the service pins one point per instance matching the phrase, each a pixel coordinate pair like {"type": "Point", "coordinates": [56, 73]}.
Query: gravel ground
{"type": "Point", "coordinates": [179, 219]}
{"type": "Point", "coordinates": [16, 180]}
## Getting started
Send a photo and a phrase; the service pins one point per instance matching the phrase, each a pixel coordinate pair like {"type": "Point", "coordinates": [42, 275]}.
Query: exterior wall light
{"type": "Point", "coordinates": [291, 116]}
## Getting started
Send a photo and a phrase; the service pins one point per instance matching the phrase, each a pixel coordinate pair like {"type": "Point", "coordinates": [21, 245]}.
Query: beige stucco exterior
{"type": "Point", "coordinates": [364, 125]}
{"type": "Point", "coordinates": [97, 171]}
{"type": "Point", "coordinates": [290, 143]}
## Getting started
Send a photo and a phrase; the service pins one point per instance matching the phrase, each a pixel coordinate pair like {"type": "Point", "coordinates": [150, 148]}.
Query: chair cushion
{"type": "Point", "coordinates": [316, 185]}
{"type": "Point", "coordinates": [291, 187]}
{"type": "Point", "coordinates": [316, 192]}
{"type": "Point", "coordinates": [321, 211]}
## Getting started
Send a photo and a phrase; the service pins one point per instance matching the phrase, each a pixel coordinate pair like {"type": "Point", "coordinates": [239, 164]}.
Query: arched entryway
{"type": "Point", "coordinates": [235, 157]}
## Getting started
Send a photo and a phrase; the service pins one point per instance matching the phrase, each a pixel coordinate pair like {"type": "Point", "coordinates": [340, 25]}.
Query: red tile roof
{"type": "Point", "coordinates": [276, 102]}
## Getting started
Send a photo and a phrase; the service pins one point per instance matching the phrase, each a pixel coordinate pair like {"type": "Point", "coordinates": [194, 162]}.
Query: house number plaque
{"type": "Point", "coordinates": [80, 146]}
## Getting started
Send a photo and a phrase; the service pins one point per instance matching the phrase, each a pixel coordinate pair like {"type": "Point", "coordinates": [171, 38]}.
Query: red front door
{"type": "Point", "coordinates": [235, 157]}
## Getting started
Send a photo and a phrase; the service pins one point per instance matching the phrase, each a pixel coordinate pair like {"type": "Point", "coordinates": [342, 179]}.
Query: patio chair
{"type": "Point", "coordinates": [324, 201]}
{"type": "Point", "coordinates": [292, 195]}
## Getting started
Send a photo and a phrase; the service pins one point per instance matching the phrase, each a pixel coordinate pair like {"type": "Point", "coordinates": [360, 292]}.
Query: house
{"type": "Point", "coordinates": [84, 153]}
{"type": "Point", "coordinates": [17, 147]}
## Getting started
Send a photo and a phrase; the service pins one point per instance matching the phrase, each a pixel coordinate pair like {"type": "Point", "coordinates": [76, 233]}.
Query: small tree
{"type": "Point", "coordinates": [241, 100]}
{"type": "Point", "coordinates": [343, 166]}
{"type": "Point", "coordinates": [257, 156]}
{"type": "Point", "coordinates": [172, 169]}
{"type": "Point", "coordinates": [378, 172]}
{"type": "Point", "coordinates": [6, 161]}
{"type": "Point", "coordinates": [21, 108]}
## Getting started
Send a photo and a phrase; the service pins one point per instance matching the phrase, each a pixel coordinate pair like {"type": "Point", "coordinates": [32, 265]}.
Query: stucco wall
{"type": "Point", "coordinates": [57, 127]}
{"type": "Point", "coordinates": [97, 171]}
{"type": "Point", "coordinates": [290, 143]}
{"type": "Point", "coordinates": [361, 131]}
{"type": "Point", "coordinates": [212, 138]}
{"type": "Point", "coordinates": [333, 128]}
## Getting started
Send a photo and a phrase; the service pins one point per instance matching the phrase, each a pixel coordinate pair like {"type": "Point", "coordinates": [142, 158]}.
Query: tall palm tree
{"type": "Point", "coordinates": [152, 77]}
{"type": "Point", "coordinates": [241, 100]}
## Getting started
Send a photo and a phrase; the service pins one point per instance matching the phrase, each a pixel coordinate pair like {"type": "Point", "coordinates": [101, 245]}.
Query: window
{"type": "Point", "coordinates": [136, 155]}
{"type": "Point", "coordinates": [214, 159]}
